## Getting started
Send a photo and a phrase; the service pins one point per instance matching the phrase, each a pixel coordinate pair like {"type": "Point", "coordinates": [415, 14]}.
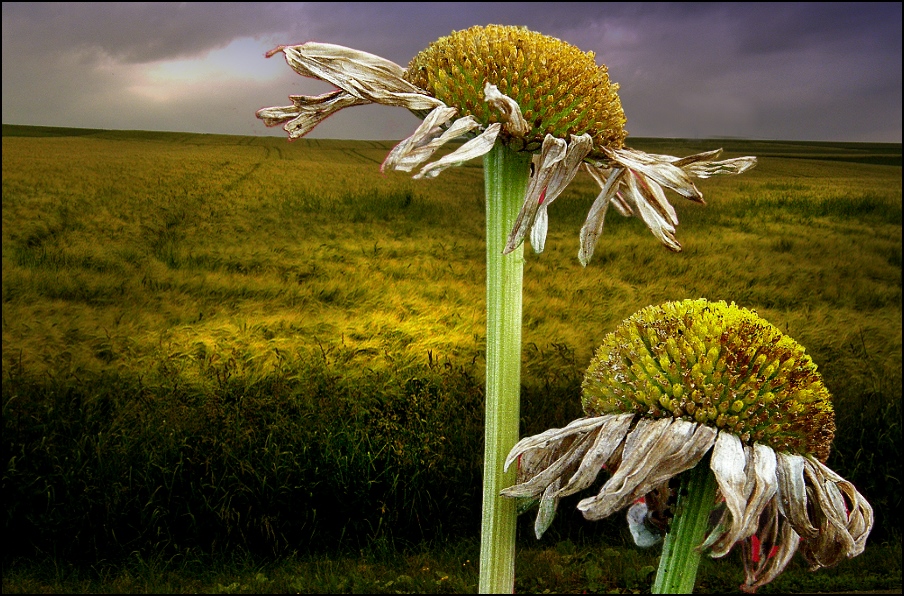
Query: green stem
{"type": "Point", "coordinates": [680, 551]}
{"type": "Point", "coordinates": [506, 174]}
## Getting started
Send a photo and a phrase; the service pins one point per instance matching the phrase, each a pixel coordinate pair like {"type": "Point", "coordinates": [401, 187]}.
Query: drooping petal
{"type": "Point", "coordinates": [777, 546]}
{"type": "Point", "coordinates": [858, 518]}
{"type": "Point", "coordinates": [476, 147]}
{"type": "Point", "coordinates": [556, 469]}
{"type": "Point", "coordinates": [515, 124]}
{"type": "Point", "coordinates": [759, 487]}
{"type": "Point", "coordinates": [429, 136]}
{"type": "Point", "coordinates": [654, 452]}
{"type": "Point", "coordinates": [727, 463]}
{"type": "Point", "coordinates": [843, 515]}
{"type": "Point", "coordinates": [554, 435]}
{"type": "Point", "coordinates": [593, 226]}
{"type": "Point", "coordinates": [360, 74]}
{"type": "Point", "coordinates": [609, 436]}
{"type": "Point", "coordinates": [308, 111]}
{"type": "Point", "coordinates": [552, 152]}
{"type": "Point", "coordinates": [539, 229]}
{"type": "Point", "coordinates": [792, 493]}
{"type": "Point", "coordinates": [547, 508]}
{"type": "Point", "coordinates": [657, 224]}
{"type": "Point", "coordinates": [659, 169]}
{"type": "Point", "coordinates": [558, 164]}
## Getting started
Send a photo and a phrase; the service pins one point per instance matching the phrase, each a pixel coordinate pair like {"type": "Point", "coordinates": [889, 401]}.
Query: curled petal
{"type": "Point", "coordinates": [745, 501]}
{"type": "Point", "coordinates": [552, 152]}
{"type": "Point", "coordinates": [654, 452]}
{"type": "Point", "coordinates": [428, 137]}
{"type": "Point", "coordinates": [792, 493]}
{"type": "Point", "coordinates": [642, 532]}
{"type": "Point", "coordinates": [608, 438]}
{"type": "Point", "coordinates": [476, 147]}
{"type": "Point", "coordinates": [659, 169]}
{"type": "Point", "coordinates": [657, 224]}
{"type": "Point", "coordinates": [766, 558]}
{"type": "Point", "coordinates": [593, 226]}
{"type": "Point", "coordinates": [737, 165]}
{"type": "Point", "coordinates": [859, 513]}
{"type": "Point", "coordinates": [360, 74]}
{"type": "Point", "coordinates": [515, 124]}
{"type": "Point", "coordinates": [552, 436]}
{"type": "Point", "coordinates": [556, 167]}
{"type": "Point", "coordinates": [839, 508]}
{"type": "Point", "coordinates": [547, 508]}
{"type": "Point", "coordinates": [306, 112]}
{"type": "Point", "coordinates": [539, 229]}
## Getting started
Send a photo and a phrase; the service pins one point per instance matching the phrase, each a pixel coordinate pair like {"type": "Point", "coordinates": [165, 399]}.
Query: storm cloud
{"type": "Point", "coordinates": [798, 71]}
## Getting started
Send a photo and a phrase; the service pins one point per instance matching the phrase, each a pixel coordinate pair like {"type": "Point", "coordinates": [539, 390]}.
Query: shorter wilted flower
{"type": "Point", "coordinates": [688, 381]}
{"type": "Point", "coordinates": [510, 85]}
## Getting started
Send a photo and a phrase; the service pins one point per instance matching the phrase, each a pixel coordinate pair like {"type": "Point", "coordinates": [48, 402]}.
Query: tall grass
{"type": "Point", "coordinates": [216, 341]}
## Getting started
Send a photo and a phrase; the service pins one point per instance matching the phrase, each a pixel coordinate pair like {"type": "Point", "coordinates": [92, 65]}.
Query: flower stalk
{"type": "Point", "coordinates": [506, 175]}
{"type": "Point", "coordinates": [681, 550]}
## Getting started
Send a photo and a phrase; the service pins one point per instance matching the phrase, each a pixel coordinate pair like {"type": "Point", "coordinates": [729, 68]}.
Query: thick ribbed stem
{"type": "Point", "coordinates": [680, 551]}
{"type": "Point", "coordinates": [506, 174]}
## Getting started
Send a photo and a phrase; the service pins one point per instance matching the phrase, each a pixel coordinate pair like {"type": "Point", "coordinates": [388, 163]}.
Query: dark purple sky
{"type": "Point", "coordinates": [799, 71]}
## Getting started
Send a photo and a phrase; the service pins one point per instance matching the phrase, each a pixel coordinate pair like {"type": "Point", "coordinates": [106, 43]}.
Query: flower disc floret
{"type": "Point", "coordinates": [560, 89]}
{"type": "Point", "coordinates": [715, 364]}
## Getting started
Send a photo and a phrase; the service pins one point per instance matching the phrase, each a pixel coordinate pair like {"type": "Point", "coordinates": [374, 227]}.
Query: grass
{"type": "Point", "coordinates": [228, 344]}
{"type": "Point", "coordinates": [563, 567]}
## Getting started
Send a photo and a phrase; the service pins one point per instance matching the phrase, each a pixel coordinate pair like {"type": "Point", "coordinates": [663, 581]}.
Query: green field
{"type": "Point", "coordinates": [216, 341]}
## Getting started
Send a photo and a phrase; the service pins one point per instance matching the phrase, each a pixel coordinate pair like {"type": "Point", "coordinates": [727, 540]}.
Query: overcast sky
{"type": "Point", "coordinates": [798, 71]}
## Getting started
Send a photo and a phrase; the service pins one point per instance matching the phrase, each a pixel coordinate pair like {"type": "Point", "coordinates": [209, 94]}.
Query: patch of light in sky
{"type": "Point", "coordinates": [242, 60]}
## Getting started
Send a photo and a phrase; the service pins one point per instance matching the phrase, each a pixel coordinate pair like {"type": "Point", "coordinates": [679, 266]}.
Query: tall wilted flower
{"type": "Point", "coordinates": [702, 384]}
{"type": "Point", "coordinates": [537, 109]}
{"type": "Point", "coordinates": [528, 91]}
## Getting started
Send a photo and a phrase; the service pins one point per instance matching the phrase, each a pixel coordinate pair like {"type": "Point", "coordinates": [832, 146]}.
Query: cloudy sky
{"type": "Point", "coordinates": [797, 71]}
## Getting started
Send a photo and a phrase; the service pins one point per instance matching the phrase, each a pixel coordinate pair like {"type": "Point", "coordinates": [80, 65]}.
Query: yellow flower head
{"type": "Point", "coordinates": [715, 364]}
{"type": "Point", "coordinates": [560, 89]}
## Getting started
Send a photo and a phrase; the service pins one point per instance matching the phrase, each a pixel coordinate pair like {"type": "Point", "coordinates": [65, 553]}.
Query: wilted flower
{"type": "Point", "coordinates": [510, 85]}
{"type": "Point", "coordinates": [676, 383]}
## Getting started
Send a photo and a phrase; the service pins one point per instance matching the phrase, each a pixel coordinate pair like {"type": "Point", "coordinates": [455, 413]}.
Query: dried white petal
{"type": "Point", "coordinates": [515, 124]}
{"type": "Point", "coordinates": [541, 481]}
{"type": "Point", "coordinates": [553, 171]}
{"type": "Point", "coordinates": [792, 493]}
{"type": "Point", "coordinates": [551, 436]}
{"type": "Point", "coordinates": [596, 217]}
{"type": "Point", "coordinates": [737, 165]}
{"type": "Point", "coordinates": [476, 147]}
{"type": "Point", "coordinates": [763, 567]}
{"type": "Point", "coordinates": [746, 493]}
{"type": "Point", "coordinates": [552, 152]}
{"type": "Point", "coordinates": [429, 136]}
{"type": "Point", "coordinates": [308, 111]}
{"type": "Point", "coordinates": [659, 169]}
{"type": "Point", "coordinates": [361, 74]}
{"type": "Point", "coordinates": [654, 452]}
{"type": "Point", "coordinates": [539, 229]}
{"type": "Point", "coordinates": [609, 436]}
{"type": "Point", "coordinates": [858, 512]}
{"type": "Point", "coordinates": [547, 508]}
{"type": "Point", "coordinates": [657, 224]}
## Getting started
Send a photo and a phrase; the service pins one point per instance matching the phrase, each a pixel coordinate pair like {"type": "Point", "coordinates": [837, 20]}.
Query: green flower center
{"type": "Point", "coordinates": [715, 364]}
{"type": "Point", "coordinates": [560, 89]}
